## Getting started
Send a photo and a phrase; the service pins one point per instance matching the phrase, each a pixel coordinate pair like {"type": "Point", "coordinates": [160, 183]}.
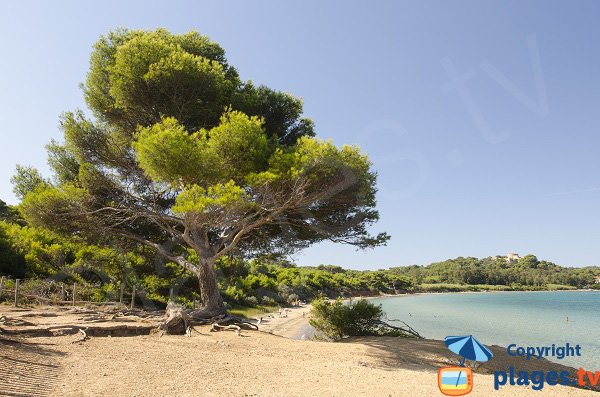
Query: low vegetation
{"type": "Point", "coordinates": [497, 273]}
{"type": "Point", "coordinates": [46, 260]}
{"type": "Point", "coordinates": [335, 320]}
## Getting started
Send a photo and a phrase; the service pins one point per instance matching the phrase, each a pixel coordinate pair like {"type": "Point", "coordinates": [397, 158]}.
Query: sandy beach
{"type": "Point", "coordinates": [252, 364]}
{"type": "Point", "coordinates": [292, 323]}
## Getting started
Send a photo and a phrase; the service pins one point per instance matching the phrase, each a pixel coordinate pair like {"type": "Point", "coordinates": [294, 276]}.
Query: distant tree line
{"type": "Point", "coordinates": [525, 273]}
{"type": "Point", "coordinates": [268, 280]}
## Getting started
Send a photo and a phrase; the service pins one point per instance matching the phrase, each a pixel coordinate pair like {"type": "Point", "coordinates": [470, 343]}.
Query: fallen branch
{"type": "Point", "coordinates": [408, 329]}
{"type": "Point", "coordinates": [83, 337]}
{"type": "Point", "coordinates": [216, 327]}
{"type": "Point", "coordinates": [16, 322]}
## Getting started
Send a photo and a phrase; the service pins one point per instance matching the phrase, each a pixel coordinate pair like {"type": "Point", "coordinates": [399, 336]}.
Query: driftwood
{"type": "Point", "coordinates": [177, 321]}
{"type": "Point", "coordinates": [216, 327]}
{"type": "Point", "coordinates": [408, 330]}
{"type": "Point", "coordinates": [83, 337]}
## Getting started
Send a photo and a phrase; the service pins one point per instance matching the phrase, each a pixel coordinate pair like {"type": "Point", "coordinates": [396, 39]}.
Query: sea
{"type": "Point", "coordinates": [504, 318]}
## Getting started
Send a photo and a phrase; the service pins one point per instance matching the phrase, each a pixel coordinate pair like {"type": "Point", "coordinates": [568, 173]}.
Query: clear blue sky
{"type": "Point", "coordinates": [482, 117]}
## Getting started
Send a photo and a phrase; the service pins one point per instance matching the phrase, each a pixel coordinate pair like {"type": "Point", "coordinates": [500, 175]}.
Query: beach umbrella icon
{"type": "Point", "coordinates": [458, 381]}
{"type": "Point", "coordinates": [469, 348]}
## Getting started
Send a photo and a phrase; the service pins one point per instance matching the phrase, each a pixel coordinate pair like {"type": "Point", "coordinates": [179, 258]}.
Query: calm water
{"type": "Point", "coordinates": [502, 318]}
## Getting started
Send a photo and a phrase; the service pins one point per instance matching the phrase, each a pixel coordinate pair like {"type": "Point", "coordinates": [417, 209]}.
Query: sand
{"type": "Point", "coordinates": [223, 363]}
{"type": "Point", "coordinates": [292, 323]}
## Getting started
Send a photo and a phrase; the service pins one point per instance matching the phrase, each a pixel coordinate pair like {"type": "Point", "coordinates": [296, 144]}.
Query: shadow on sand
{"type": "Point", "coordinates": [27, 369]}
{"type": "Point", "coordinates": [429, 355]}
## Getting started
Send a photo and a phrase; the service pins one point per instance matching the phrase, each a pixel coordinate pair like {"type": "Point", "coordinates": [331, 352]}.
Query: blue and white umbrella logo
{"type": "Point", "coordinates": [469, 348]}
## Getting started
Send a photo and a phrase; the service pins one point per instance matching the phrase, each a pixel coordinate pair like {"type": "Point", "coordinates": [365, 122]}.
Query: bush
{"type": "Point", "coordinates": [234, 294]}
{"type": "Point", "coordinates": [252, 301]}
{"type": "Point", "coordinates": [293, 299]}
{"type": "Point", "coordinates": [337, 320]}
{"type": "Point", "coordinates": [268, 301]}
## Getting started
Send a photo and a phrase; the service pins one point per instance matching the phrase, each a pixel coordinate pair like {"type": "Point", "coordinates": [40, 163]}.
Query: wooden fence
{"type": "Point", "coordinates": [16, 294]}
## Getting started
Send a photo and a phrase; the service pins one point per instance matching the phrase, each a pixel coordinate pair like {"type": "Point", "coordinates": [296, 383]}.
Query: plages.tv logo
{"type": "Point", "coordinates": [458, 381]}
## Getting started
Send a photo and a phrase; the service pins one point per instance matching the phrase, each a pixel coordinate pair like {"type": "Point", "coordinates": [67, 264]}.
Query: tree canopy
{"type": "Point", "coordinates": [25, 180]}
{"type": "Point", "coordinates": [185, 157]}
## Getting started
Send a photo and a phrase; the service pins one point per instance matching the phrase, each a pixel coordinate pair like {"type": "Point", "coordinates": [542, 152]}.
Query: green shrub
{"type": "Point", "coordinates": [292, 299]}
{"type": "Point", "coordinates": [268, 301]}
{"type": "Point", "coordinates": [336, 320]}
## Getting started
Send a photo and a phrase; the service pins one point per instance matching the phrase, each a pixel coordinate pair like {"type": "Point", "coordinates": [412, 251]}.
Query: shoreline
{"type": "Point", "coordinates": [293, 324]}
{"type": "Point", "coordinates": [251, 363]}
{"type": "Point", "coordinates": [471, 292]}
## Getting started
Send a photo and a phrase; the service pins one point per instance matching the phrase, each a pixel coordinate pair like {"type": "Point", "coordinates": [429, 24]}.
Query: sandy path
{"type": "Point", "coordinates": [259, 364]}
{"type": "Point", "coordinates": [294, 325]}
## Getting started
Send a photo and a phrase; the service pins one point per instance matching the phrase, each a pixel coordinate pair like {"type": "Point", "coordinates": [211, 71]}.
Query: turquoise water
{"type": "Point", "coordinates": [503, 318]}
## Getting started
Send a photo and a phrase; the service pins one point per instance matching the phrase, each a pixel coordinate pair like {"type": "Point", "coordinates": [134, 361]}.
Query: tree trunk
{"type": "Point", "coordinates": [212, 303]}
{"type": "Point", "coordinates": [176, 320]}
{"type": "Point", "coordinates": [179, 320]}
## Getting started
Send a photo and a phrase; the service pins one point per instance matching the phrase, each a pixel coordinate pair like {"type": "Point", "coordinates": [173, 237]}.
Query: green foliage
{"type": "Point", "coordinates": [196, 200]}
{"type": "Point", "coordinates": [25, 180]}
{"type": "Point", "coordinates": [12, 261]}
{"type": "Point", "coordinates": [30, 252]}
{"type": "Point", "coordinates": [273, 283]}
{"type": "Point", "coordinates": [139, 77]}
{"type": "Point", "coordinates": [185, 158]}
{"type": "Point", "coordinates": [62, 162]}
{"type": "Point", "coordinates": [281, 111]}
{"type": "Point", "coordinates": [337, 320]}
{"type": "Point", "coordinates": [240, 143]}
{"type": "Point", "coordinates": [528, 273]}
{"type": "Point", "coordinates": [230, 151]}
{"type": "Point", "coordinates": [131, 69]}
{"type": "Point", "coordinates": [49, 206]}
{"type": "Point", "coordinates": [40, 253]}
{"type": "Point", "coordinates": [9, 213]}
{"type": "Point", "coordinates": [168, 153]}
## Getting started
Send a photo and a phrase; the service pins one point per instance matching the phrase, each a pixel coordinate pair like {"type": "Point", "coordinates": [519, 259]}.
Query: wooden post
{"type": "Point", "coordinates": [62, 292]}
{"type": "Point", "coordinates": [1, 285]}
{"type": "Point", "coordinates": [122, 292]}
{"type": "Point", "coordinates": [74, 291]}
{"type": "Point", "coordinates": [132, 298]}
{"type": "Point", "coordinates": [171, 294]}
{"type": "Point", "coordinates": [194, 306]}
{"type": "Point", "coordinates": [17, 292]}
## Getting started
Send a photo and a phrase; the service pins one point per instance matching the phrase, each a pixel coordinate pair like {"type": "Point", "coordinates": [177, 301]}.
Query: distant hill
{"type": "Point", "coordinates": [509, 272]}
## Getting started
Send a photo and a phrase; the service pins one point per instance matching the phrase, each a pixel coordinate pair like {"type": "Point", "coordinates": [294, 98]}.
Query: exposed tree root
{"type": "Point", "coordinates": [15, 322]}
{"type": "Point", "coordinates": [178, 321]}
{"type": "Point", "coordinates": [68, 329]}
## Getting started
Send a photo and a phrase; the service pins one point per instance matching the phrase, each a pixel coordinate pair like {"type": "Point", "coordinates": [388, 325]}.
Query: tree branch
{"type": "Point", "coordinates": [164, 252]}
